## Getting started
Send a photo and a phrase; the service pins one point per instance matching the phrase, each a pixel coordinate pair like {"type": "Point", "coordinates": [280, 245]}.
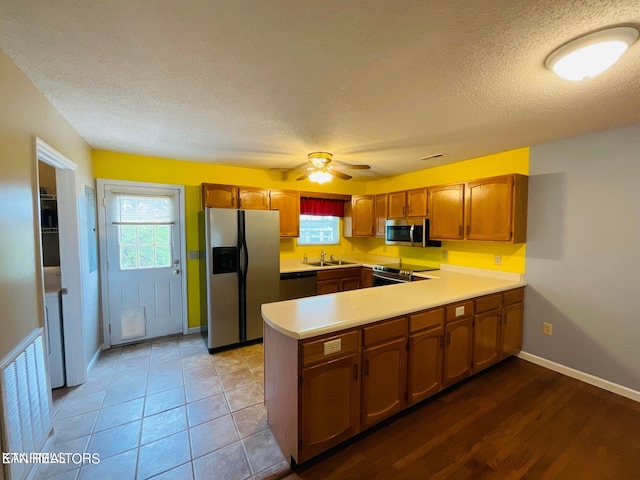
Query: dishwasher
{"type": "Point", "coordinates": [297, 285]}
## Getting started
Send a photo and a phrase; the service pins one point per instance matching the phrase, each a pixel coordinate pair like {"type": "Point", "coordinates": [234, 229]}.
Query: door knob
{"type": "Point", "coordinates": [176, 272]}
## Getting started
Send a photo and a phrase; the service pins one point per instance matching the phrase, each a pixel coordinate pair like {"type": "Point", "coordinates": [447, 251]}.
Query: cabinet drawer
{"type": "Point", "coordinates": [429, 318]}
{"type": "Point", "coordinates": [345, 343]}
{"type": "Point", "coordinates": [452, 313]}
{"type": "Point", "coordinates": [490, 302]}
{"type": "Point", "coordinates": [513, 296]}
{"type": "Point", "coordinates": [338, 273]}
{"type": "Point", "coordinates": [385, 331]}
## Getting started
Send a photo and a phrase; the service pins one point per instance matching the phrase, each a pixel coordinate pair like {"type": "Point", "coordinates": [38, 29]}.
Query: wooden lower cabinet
{"type": "Point", "coordinates": [324, 390]}
{"type": "Point", "coordinates": [486, 339]}
{"type": "Point", "coordinates": [424, 376]}
{"type": "Point", "coordinates": [458, 350]}
{"type": "Point", "coordinates": [384, 365]}
{"type": "Point", "coordinates": [366, 277]}
{"type": "Point", "coordinates": [338, 280]}
{"type": "Point", "coordinates": [330, 405]}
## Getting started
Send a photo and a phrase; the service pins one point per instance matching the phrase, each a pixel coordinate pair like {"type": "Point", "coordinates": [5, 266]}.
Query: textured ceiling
{"type": "Point", "coordinates": [262, 83]}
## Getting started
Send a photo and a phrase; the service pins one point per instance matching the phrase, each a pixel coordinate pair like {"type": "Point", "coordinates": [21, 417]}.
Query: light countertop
{"type": "Point", "coordinates": [312, 316]}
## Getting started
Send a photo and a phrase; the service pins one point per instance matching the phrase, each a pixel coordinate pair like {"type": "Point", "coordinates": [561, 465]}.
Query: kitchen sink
{"type": "Point", "coordinates": [329, 263]}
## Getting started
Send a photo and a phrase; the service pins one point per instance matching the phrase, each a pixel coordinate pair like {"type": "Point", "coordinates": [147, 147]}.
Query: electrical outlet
{"type": "Point", "coordinates": [459, 311]}
{"type": "Point", "coordinates": [332, 346]}
{"type": "Point", "coordinates": [497, 260]}
{"type": "Point", "coordinates": [445, 254]}
{"type": "Point", "coordinates": [547, 328]}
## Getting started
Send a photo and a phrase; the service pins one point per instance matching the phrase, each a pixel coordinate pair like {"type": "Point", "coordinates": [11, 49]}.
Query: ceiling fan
{"type": "Point", "coordinates": [321, 171]}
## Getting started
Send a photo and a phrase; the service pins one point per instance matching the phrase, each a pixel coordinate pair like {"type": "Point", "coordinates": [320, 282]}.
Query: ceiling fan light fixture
{"type": "Point", "coordinates": [320, 176]}
{"type": "Point", "coordinates": [589, 55]}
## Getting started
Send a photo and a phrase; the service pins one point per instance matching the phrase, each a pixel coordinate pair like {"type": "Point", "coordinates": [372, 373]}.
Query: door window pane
{"type": "Point", "coordinates": [145, 246]}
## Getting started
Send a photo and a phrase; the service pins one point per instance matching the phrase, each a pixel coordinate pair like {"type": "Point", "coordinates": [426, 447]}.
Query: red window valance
{"type": "Point", "coordinates": [321, 206]}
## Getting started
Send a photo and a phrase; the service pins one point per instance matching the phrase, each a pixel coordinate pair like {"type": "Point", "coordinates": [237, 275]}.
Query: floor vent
{"type": "Point", "coordinates": [26, 414]}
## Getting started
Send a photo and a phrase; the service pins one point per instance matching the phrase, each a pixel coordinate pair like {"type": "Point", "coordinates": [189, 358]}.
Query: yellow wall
{"type": "Point", "coordinates": [119, 166]}
{"type": "Point", "coordinates": [469, 254]}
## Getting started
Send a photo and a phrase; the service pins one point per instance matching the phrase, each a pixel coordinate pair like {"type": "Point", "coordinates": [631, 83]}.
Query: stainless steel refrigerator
{"type": "Point", "coordinates": [242, 272]}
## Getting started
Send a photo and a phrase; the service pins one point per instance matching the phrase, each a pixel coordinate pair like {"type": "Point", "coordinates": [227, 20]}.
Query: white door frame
{"type": "Point", "coordinates": [102, 238]}
{"type": "Point", "coordinates": [70, 256]}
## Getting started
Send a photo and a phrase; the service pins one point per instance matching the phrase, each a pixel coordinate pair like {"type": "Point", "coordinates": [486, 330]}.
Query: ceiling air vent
{"type": "Point", "coordinates": [432, 157]}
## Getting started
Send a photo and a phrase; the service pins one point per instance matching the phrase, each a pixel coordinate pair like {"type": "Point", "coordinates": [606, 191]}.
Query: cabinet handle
{"type": "Point", "coordinates": [355, 372]}
{"type": "Point", "coordinates": [460, 230]}
{"type": "Point", "coordinates": [366, 367]}
{"type": "Point", "coordinates": [468, 229]}
{"type": "Point", "coordinates": [373, 229]}
{"type": "Point", "coordinates": [403, 211]}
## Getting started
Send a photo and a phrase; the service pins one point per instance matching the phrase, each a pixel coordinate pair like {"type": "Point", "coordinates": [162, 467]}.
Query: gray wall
{"type": "Point", "coordinates": [583, 254]}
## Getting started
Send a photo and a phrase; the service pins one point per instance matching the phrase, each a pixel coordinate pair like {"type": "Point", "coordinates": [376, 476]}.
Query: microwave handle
{"type": "Point", "coordinates": [411, 233]}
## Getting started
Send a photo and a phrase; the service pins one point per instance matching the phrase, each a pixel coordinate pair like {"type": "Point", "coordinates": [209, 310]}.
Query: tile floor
{"type": "Point", "coordinates": [167, 409]}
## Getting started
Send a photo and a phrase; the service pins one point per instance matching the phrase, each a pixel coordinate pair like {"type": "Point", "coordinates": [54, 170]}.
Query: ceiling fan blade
{"type": "Point", "coordinates": [302, 177]}
{"type": "Point", "coordinates": [353, 167]}
{"type": "Point", "coordinates": [338, 174]}
{"type": "Point", "coordinates": [289, 169]}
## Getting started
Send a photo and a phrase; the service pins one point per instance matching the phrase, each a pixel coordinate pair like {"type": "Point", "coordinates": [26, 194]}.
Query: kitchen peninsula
{"type": "Point", "coordinates": [337, 364]}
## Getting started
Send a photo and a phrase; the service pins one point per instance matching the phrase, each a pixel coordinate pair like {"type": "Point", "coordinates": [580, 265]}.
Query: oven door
{"type": "Point", "coordinates": [382, 278]}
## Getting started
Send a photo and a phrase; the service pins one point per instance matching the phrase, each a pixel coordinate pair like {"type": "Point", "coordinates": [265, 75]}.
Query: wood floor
{"type": "Point", "coordinates": [516, 420]}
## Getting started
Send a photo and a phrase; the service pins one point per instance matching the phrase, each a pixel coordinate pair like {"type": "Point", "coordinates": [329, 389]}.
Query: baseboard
{"type": "Point", "coordinates": [193, 330]}
{"type": "Point", "coordinates": [95, 358]}
{"type": "Point", "coordinates": [582, 376]}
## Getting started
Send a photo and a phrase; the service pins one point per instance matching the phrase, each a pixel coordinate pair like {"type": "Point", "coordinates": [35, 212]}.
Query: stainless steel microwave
{"type": "Point", "coordinates": [410, 233]}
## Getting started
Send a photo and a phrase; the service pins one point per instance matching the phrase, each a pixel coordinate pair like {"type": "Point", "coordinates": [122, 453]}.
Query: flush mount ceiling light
{"type": "Point", "coordinates": [592, 54]}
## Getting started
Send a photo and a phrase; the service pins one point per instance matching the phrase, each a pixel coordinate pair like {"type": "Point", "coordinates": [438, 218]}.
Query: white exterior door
{"type": "Point", "coordinates": [143, 240]}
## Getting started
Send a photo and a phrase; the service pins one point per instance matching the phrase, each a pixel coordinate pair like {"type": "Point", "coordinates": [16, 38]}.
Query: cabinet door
{"type": "Point", "coordinates": [486, 339]}
{"type": "Point", "coordinates": [330, 405]}
{"type": "Point", "coordinates": [363, 215]}
{"type": "Point", "coordinates": [352, 283]}
{"type": "Point", "coordinates": [383, 381]}
{"type": "Point", "coordinates": [424, 364]}
{"type": "Point", "coordinates": [512, 317]}
{"type": "Point", "coordinates": [446, 212]}
{"type": "Point", "coordinates": [381, 215]}
{"type": "Point", "coordinates": [287, 202]}
{"type": "Point", "coordinates": [489, 209]}
{"type": "Point", "coordinates": [366, 278]}
{"type": "Point", "coordinates": [219, 196]}
{"type": "Point", "coordinates": [327, 286]}
{"type": "Point", "coordinates": [417, 203]}
{"type": "Point", "coordinates": [397, 205]}
{"type": "Point", "coordinates": [458, 350]}
{"type": "Point", "coordinates": [253, 198]}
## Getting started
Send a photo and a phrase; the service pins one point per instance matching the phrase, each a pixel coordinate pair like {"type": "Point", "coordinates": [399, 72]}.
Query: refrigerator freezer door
{"type": "Point", "coordinates": [262, 230]}
{"type": "Point", "coordinates": [223, 298]}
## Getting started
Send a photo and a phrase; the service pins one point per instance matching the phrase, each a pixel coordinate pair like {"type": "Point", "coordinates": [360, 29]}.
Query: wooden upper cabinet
{"type": "Point", "coordinates": [253, 198]}
{"type": "Point", "coordinates": [287, 202]}
{"type": "Point", "coordinates": [409, 204]}
{"type": "Point", "coordinates": [446, 212]}
{"type": "Point", "coordinates": [397, 205]}
{"type": "Point", "coordinates": [417, 203]}
{"type": "Point", "coordinates": [381, 215]}
{"type": "Point", "coordinates": [360, 216]}
{"type": "Point", "coordinates": [496, 209]}
{"type": "Point", "coordinates": [219, 196]}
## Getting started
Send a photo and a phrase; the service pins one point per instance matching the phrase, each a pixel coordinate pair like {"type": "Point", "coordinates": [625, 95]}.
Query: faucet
{"type": "Point", "coordinates": [322, 254]}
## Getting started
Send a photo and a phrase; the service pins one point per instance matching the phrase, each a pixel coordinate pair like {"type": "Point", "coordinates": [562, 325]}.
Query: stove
{"type": "Point", "coordinates": [394, 273]}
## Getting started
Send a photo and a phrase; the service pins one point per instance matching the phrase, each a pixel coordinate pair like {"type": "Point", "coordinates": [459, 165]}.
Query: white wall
{"type": "Point", "coordinates": [25, 113]}
{"type": "Point", "coordinates": [583, 254]}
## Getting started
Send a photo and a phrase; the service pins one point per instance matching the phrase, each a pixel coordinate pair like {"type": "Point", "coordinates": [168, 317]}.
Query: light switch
{"type": "Point", "coordinates": [459, 311]}
{"type": "Point", "coordinates": [193, 255]}
{"type": "Point", "coordinates": [332, 346]}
